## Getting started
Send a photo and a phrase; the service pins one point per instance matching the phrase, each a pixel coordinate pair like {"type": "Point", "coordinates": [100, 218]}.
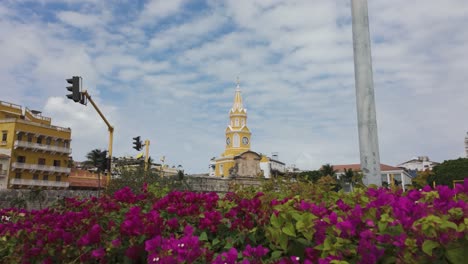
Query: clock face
{"type": "Point", "coordinates": [245, 140]}
{"type": "Point", "coordinates": [228, 141]}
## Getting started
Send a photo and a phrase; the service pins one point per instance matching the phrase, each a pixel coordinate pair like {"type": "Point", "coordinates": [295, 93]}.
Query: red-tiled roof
{"type": "Point", "coordinates": [84, 178]}
{"type": "Point", "coordinates": [357, 167]}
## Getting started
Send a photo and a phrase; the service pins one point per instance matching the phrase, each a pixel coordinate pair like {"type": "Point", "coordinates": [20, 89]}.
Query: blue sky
{"type": "Point", "coordinates": [166, 71]}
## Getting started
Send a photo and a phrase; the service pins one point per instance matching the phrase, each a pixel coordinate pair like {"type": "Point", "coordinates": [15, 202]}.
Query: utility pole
{"type": "Point", "coordinates": [365, 99]}
{"type": "Point", "coordinates": [147, 144]}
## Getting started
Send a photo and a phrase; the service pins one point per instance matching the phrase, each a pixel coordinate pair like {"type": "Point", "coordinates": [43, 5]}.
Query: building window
{"type": "Point", "coordinates": [48, 141]}
{"type": "Point", "coordinates": [221, 169]}
{"type": "Point", "coordinates": [39, 140]}
{"type": "Point", "coordinates": [19, 137]}
{"type": "Point", "coordinates": [237, 122]}
{"type": "Point", "coordinates": [4, 136]}
{"type": "Point", "coordinates": [30, 137]}
{"type": "Point", "coordinates": [236, 140]}
{"type": "Point", "coordinates": [58, 178]}
{"type": "Point", "coordinates": [41, 161]}
{"type": "Point", "coordinates": [66, 143]}
{"type": "Point", "coordinates": [21, 159]}
{"type": "Point", "coordinates": [18, 175]}
{"type": "Point", "coordinates": [45, 177]}
{"type": "Point", "coordinates": [243, 122]}
{"type": "Point", "coordinates": [35, 176]}
{"type": "Point", "coordinates": [56, 163]}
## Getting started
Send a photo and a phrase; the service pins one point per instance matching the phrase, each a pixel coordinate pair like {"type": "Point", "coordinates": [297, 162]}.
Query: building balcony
{"type": "Point", "coordinates": [37, 167]}
{"type": "Point", "coordinates": [3, 173]}
{"type": "Point", "coordinates": [58, 184]}
{"type": "Point", "coordinates": [41, 147]}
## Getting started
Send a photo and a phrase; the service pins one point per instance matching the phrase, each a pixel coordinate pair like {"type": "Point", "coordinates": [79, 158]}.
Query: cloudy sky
{"type": "Point", "coordinates": [166, 71]}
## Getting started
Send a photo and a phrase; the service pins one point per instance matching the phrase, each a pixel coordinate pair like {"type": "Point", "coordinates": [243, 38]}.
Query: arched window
{"type": "Point", "coordinates": [236, 140]}
{"type": "Point", "coordinates": [237, 122]}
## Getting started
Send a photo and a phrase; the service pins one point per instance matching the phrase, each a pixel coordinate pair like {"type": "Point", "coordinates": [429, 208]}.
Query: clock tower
{"type": "Point", "coordinates": [237, 132]}
{"type": "Point", "coordinates": [237, 140]}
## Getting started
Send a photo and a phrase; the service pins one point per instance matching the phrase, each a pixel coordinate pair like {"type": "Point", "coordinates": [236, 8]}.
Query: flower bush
{"type": "Point", "coordinates": [366, 226]}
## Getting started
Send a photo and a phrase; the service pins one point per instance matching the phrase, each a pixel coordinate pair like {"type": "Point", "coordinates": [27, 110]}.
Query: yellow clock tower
{"type": "Point", "coordinates": [237, 136]}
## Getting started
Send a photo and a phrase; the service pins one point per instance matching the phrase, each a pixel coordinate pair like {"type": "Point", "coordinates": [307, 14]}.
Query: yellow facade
{"type": "Point", "coordinates": [33, 152]}
{"type": "Point", "coordinates": [237, 137]}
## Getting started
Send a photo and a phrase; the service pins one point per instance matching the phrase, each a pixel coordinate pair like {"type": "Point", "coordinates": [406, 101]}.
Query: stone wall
{"type": "Point", "coordinates": [26, 198]}
{"type": "Point", "coordinates": [220, 185]}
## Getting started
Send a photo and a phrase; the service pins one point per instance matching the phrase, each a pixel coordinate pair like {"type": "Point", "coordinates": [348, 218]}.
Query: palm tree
{"type": "Point", "coordinates": [94, 157]}
{"type": "Point", "coordinates": [327, 170]}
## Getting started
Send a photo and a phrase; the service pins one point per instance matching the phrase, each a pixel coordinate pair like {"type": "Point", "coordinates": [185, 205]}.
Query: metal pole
{"type": "Point", "coordinates": [109, 127]}
{"type": "Point", "coordinates": [367, 121]}
{"type": "Point", "coordinates": [147, 144]}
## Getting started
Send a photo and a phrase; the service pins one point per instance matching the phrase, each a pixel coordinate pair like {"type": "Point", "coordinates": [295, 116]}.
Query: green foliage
{"type": "Point", "coordinates": [94, 158]}
{"type": "Point", "coordinates": [311, 176]}
{"type": "Point", "coordinates": [132, 178]}
{"type": "Point", "coordinates": [422, 179]}
{"type": "Point", "coordinates": [328, 169]}
{"type": "Point", "coordinates": [448, 171]}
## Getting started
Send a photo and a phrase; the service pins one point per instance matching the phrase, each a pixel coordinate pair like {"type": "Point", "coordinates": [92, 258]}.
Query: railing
{"type": "Point", "coordinates": [40, 117]}
{"type": "Point", "coordinates": [26, 166]}
{"type": "Point", "coordinates": [39, 183]}
{"type": "Point", "coordinates": [9, 120]}
{"type": "Point", "coordinates": [3, 173]}
{"type": "Point", "coordinates": [32, 145]}
{"type": "Point", "coordinates": [10, 105]}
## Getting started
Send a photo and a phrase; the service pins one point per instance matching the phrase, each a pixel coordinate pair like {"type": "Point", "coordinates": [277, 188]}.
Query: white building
{"type": "Point", "coordinates": [420, 163]}
{"type": "Point", "coordinates": [389, 173]}
{"type": "Point", "coordinates": [271, 166]}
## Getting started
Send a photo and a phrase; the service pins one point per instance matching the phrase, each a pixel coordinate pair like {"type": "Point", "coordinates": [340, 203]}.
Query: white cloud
{"type": "Point", "coordinates": [77, 19]}
{"type": "Point", "coordinates": [159, 9]}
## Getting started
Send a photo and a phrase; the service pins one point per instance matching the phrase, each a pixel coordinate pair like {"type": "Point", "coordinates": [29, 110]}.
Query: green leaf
{"type": "Point", "coordinates": [215, 242]}
{"type": "Point", "coordinates": [203, 236]}
{"type": "Point", "coordinates": [289, 230]}
{"type": "Point", "coordinates": [283, 240]}
{"type": "Point", "coordinates": [428, 246]}
{"type": "Point", "coordinates": [275, 221]}
{"type": "Point", "coordinates": [382, 226]}
{"type": "Point", "coordinates": [276, 254]}
{"type": "Point", "coordinates": [457, 254]}
{"type": "Point", "coordinates": [448, 224]}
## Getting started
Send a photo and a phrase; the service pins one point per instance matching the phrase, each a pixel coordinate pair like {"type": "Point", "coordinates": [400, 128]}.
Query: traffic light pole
{"type": "Point", "coordinates": [109, 127]}
{"type": "Point", "coordinates": [147, 144]}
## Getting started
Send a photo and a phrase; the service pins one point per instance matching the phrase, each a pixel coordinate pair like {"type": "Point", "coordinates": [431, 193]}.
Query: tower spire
{"type": "Point", "coordinates": [238, 105]}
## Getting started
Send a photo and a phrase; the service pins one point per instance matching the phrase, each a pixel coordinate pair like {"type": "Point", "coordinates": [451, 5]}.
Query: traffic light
{"type": "Point", "coordinates": [75, 82]}
{"type": "Point", "coordinates": [137, 143]}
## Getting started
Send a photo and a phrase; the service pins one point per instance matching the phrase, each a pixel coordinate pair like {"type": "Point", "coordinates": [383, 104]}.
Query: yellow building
{"type": "Point", "coordinates": [33, 152]}
{"type": "Point", "coordinates": [237, 137]}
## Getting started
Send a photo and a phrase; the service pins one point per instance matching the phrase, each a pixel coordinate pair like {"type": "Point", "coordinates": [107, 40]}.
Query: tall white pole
{"type": "Point", "coordinates": [367, 121]}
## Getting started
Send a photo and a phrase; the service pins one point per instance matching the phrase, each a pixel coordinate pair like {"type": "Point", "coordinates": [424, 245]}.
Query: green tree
{"type": "Point", "coordinates": [95, 158]}
{"type": "Point", "coordinates": [328, 170]}
{"type": "Point", "coordinates": [448, 171]}
{"type": "Point", "coordinates": [132, 177]}
{"type": "Point", "coordinates": [422, 179]}
{"type": "Point", "coordinates": [312, 176]}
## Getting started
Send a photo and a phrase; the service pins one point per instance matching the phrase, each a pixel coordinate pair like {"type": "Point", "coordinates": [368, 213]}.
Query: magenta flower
{"type": "Point", "coordinates": [98, 253]}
